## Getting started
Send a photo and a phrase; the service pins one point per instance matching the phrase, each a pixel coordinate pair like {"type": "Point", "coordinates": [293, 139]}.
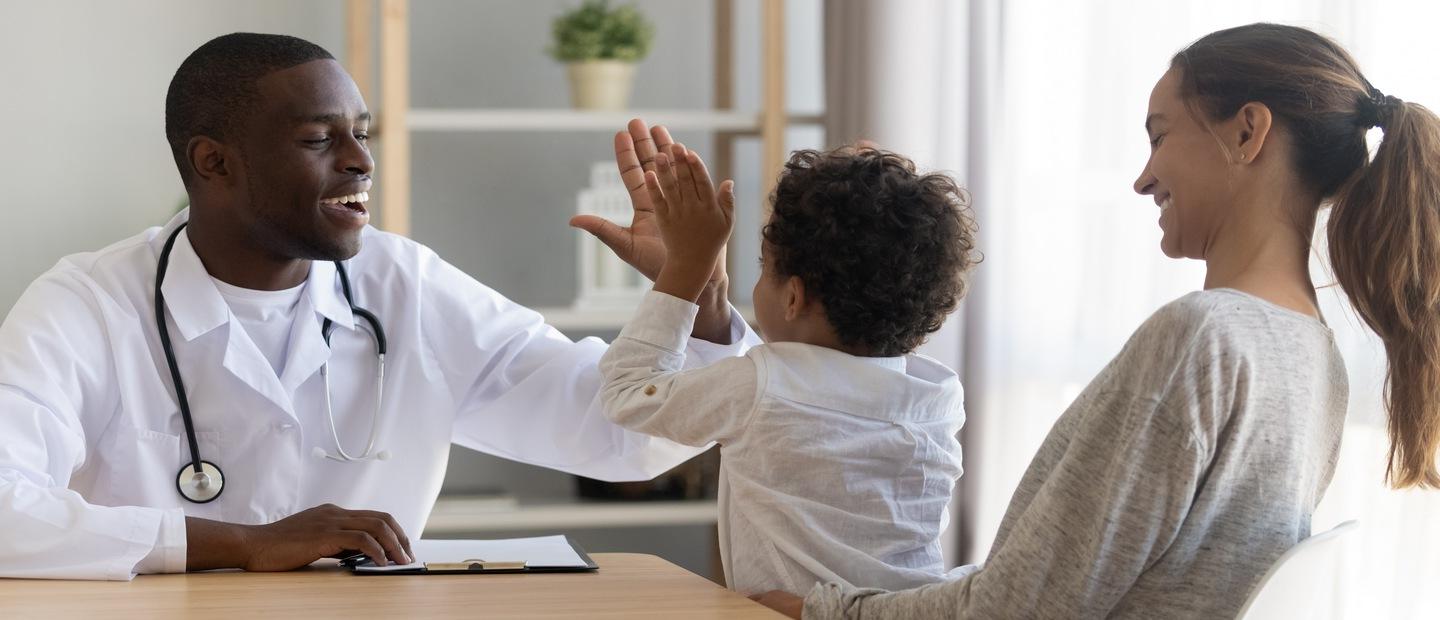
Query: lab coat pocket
{"type": "Point", "coordinates": [145, 466]}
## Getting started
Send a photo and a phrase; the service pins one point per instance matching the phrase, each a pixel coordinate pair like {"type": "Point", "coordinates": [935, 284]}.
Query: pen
{"type": "Point", "coordinates": [355, 560]}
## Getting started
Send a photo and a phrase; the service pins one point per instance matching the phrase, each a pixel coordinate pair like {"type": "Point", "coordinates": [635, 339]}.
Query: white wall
{"type": "Point", "coordinates": [83, 158]}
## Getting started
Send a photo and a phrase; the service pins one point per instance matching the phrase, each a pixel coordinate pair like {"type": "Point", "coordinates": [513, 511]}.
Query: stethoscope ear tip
{"type": "Point", "coordinates": [383, 455]}
{"type": "Point", "coordinates": [318, 453]}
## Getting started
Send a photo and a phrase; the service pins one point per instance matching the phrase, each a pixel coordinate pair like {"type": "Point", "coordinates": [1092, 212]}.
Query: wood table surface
{"type": "Point", "coordinates": [627, 585]}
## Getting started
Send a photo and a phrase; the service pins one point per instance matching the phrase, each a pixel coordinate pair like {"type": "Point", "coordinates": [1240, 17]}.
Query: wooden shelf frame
{"type": "Point", "coordinates": [396, 120]}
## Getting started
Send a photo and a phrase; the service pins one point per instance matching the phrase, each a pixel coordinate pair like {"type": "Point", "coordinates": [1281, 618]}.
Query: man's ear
{"type": "Point", "coordinates": [210, 161]}
{"type": "Point", "coordinates": [795, 299]}
{"type": "Point", "coordinates": [1251, 127]}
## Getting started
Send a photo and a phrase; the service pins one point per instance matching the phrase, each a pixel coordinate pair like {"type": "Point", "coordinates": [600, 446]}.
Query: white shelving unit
{"type": "Point", "coordinates": [565, 317]}
{"type": "Point", "coordinates": [562, 119]}
{"type": "Point", "coordinates": [448, 120]}
{"type": "Point", "coordinates": [396, 120]}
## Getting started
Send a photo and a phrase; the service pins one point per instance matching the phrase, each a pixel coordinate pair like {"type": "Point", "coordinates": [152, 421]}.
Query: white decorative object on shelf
{"type": "Point", "coordinates": [606, 282]}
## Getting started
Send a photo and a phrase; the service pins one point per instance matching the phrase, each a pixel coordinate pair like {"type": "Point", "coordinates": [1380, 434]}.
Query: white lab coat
{"type": "Point", "coordinates": [93, 438]}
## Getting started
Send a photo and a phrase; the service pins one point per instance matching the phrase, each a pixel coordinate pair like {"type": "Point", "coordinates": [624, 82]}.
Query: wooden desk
{"type": "Point", "coordinates": [627, 585]}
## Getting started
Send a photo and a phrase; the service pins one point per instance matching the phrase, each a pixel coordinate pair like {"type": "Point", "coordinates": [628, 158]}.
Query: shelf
{"type": "Point", "coordinates": [455, 515]}
{"type": "Point", "coordinates": [561, 119]}
{"type": "Point", "coordinates": [577, 120]}
{"type": "Point", "coordinates": [767, 121]}
{"type": "Point", "coordinates": [566, 317]}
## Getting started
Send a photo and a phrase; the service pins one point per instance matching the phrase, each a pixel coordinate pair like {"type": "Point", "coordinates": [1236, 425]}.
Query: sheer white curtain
{"type": "Point", "coordinates": [1051, 139]}
{"type": "Point", "coordinates": [900, 73]}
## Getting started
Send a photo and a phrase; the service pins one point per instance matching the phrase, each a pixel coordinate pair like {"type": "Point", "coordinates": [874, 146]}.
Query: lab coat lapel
{"type": "Point", "coordinates": [197, 308]}
{"type": "Point", "coordinates": [244, 360]}
{"type": "Point", "coordinates": [195, 305]}
{"type": "Point", "coordinates": [323, 299]}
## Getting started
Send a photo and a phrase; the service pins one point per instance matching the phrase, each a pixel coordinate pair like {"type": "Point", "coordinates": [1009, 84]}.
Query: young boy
{"type": "Point", "coordinates": [838, 449]}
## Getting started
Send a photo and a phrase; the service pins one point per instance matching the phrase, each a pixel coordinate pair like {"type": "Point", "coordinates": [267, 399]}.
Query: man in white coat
{"type": "Point", "coordinates": [97, 476]}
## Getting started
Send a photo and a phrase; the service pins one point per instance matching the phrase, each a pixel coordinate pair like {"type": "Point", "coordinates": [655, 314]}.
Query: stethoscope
{"type": "Point", "coordinates": [201, 481]}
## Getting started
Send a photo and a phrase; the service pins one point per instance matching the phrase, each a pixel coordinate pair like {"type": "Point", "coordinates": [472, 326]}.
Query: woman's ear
{"type": "Point", "coordinates": [794, 298]}
{"type": "Point", "coordinates": [1252, 127]}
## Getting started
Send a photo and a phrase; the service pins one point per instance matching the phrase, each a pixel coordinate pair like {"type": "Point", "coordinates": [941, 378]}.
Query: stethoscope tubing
{"type": "Point", "coordinates": [199, 476]}
{"type": "Point", "coordinates": [181, 399]}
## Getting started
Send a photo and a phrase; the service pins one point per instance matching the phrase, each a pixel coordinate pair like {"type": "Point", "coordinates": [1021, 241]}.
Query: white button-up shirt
{"type": "Point", "coordinates": [833, 469]}
{"type": "Point", "coordinates": [93, 439]}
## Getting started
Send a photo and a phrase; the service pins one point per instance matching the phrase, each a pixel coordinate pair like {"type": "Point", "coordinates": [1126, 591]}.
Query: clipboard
{"type": "Point", "coordinates": [550, 554]}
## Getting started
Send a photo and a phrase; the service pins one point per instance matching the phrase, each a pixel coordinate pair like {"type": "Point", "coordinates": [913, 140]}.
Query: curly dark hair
{"type": "Point", "coordinates": [885, 249]}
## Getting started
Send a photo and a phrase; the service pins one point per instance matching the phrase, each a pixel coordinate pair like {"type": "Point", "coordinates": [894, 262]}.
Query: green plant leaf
{"type": "Point", "coordinates": [596, 31]}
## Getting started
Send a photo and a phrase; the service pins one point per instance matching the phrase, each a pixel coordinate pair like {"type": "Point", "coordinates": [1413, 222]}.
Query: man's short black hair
{"type": "Point", "coordinates": [885, 249]}
{"type": "Point", "coordinates": [215, 86]}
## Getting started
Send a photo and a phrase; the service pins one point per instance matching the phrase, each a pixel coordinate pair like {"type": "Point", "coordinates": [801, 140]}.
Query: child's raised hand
{"type": "Point", "coordinates": [695, 220]}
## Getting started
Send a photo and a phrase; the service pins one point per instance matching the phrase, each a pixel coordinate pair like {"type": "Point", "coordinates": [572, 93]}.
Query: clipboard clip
{"type": "Point", "coordinates": [476, 565]}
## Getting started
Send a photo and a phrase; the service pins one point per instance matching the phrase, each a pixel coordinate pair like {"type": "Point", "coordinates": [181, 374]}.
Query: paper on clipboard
{"type": "Point", "coordinates": [540, 552]}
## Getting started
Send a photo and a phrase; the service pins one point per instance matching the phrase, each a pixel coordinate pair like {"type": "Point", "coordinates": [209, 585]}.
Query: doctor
{"type": "Point", "coordinates": [229, 433]}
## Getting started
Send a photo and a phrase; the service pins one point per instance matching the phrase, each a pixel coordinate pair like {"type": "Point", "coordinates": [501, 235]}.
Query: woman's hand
{"type": "Point", "coordinates": [783, 602]}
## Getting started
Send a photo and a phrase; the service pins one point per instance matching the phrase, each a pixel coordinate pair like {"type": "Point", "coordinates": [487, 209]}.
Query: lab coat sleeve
{"type": "Point", "coordinates": [56, 379]}
{"type": "Point", "coordinates": [526, 392]}
{"type": "Point", "coordinates": [646, 389]}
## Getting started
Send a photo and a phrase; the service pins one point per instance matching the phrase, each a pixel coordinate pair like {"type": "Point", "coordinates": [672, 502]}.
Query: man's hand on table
{"type": "Point", "coordinates": [326, 531]}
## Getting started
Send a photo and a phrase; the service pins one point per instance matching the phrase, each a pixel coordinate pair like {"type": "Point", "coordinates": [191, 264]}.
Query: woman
{"type": "Point", "coordinates": [1196, 457]}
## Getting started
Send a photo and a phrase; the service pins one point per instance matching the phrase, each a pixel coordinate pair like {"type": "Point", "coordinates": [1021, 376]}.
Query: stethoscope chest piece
{"type": "Point", "coordinates": [203, 486]}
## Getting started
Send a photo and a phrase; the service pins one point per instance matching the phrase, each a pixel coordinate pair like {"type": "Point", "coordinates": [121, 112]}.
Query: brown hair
{"type": "Point", "coordinates": [1384, 230]}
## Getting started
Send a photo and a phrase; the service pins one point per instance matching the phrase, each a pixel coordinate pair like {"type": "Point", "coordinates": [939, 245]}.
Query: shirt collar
{"type": "Point", "coordinates": [196, 305]}
{"type": "Point", "coordinates": [328, 297]}
{"type": "Point", "coordinates": [910, 388]}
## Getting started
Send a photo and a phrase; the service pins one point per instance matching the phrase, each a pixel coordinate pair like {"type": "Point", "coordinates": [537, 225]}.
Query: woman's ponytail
{"type": "Point", "coordinates": [1384, 242]}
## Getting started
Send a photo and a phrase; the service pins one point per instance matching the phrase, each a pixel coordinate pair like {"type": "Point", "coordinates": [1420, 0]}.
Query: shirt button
{"type": "Point", "coordinates": [649, 390]}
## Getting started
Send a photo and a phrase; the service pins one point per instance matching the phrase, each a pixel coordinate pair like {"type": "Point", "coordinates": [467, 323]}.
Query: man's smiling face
{"type": "Point", "coordinates": [306, 164]}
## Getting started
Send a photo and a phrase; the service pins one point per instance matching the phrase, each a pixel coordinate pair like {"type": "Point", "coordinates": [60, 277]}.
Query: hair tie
{"type": "Point", "coordinates": [1377, 109]}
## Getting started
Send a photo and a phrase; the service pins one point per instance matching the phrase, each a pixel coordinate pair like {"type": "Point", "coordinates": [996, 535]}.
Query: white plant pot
{"type": "Point", "coordinates": [601, 84]}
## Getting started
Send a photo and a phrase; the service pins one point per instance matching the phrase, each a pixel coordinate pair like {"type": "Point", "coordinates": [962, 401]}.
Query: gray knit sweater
{"type": "Point", "coordinates": [1187, 467]}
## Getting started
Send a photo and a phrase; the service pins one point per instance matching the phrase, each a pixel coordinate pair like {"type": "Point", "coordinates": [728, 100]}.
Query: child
{"type": "Point", "coordinates": [838, 449]}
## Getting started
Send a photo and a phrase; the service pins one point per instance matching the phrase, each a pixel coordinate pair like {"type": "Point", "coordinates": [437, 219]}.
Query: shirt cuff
{"type": "Point", "coordinates": [662, 321]}
{"type": "Point", "coordinates": [170, 554]}
{"type": "Point", "coordinates": [742, 338]}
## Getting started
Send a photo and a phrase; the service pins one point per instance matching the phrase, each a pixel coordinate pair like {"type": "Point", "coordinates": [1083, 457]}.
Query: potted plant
{"type": "Point", "coordinates": [600, 45]}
